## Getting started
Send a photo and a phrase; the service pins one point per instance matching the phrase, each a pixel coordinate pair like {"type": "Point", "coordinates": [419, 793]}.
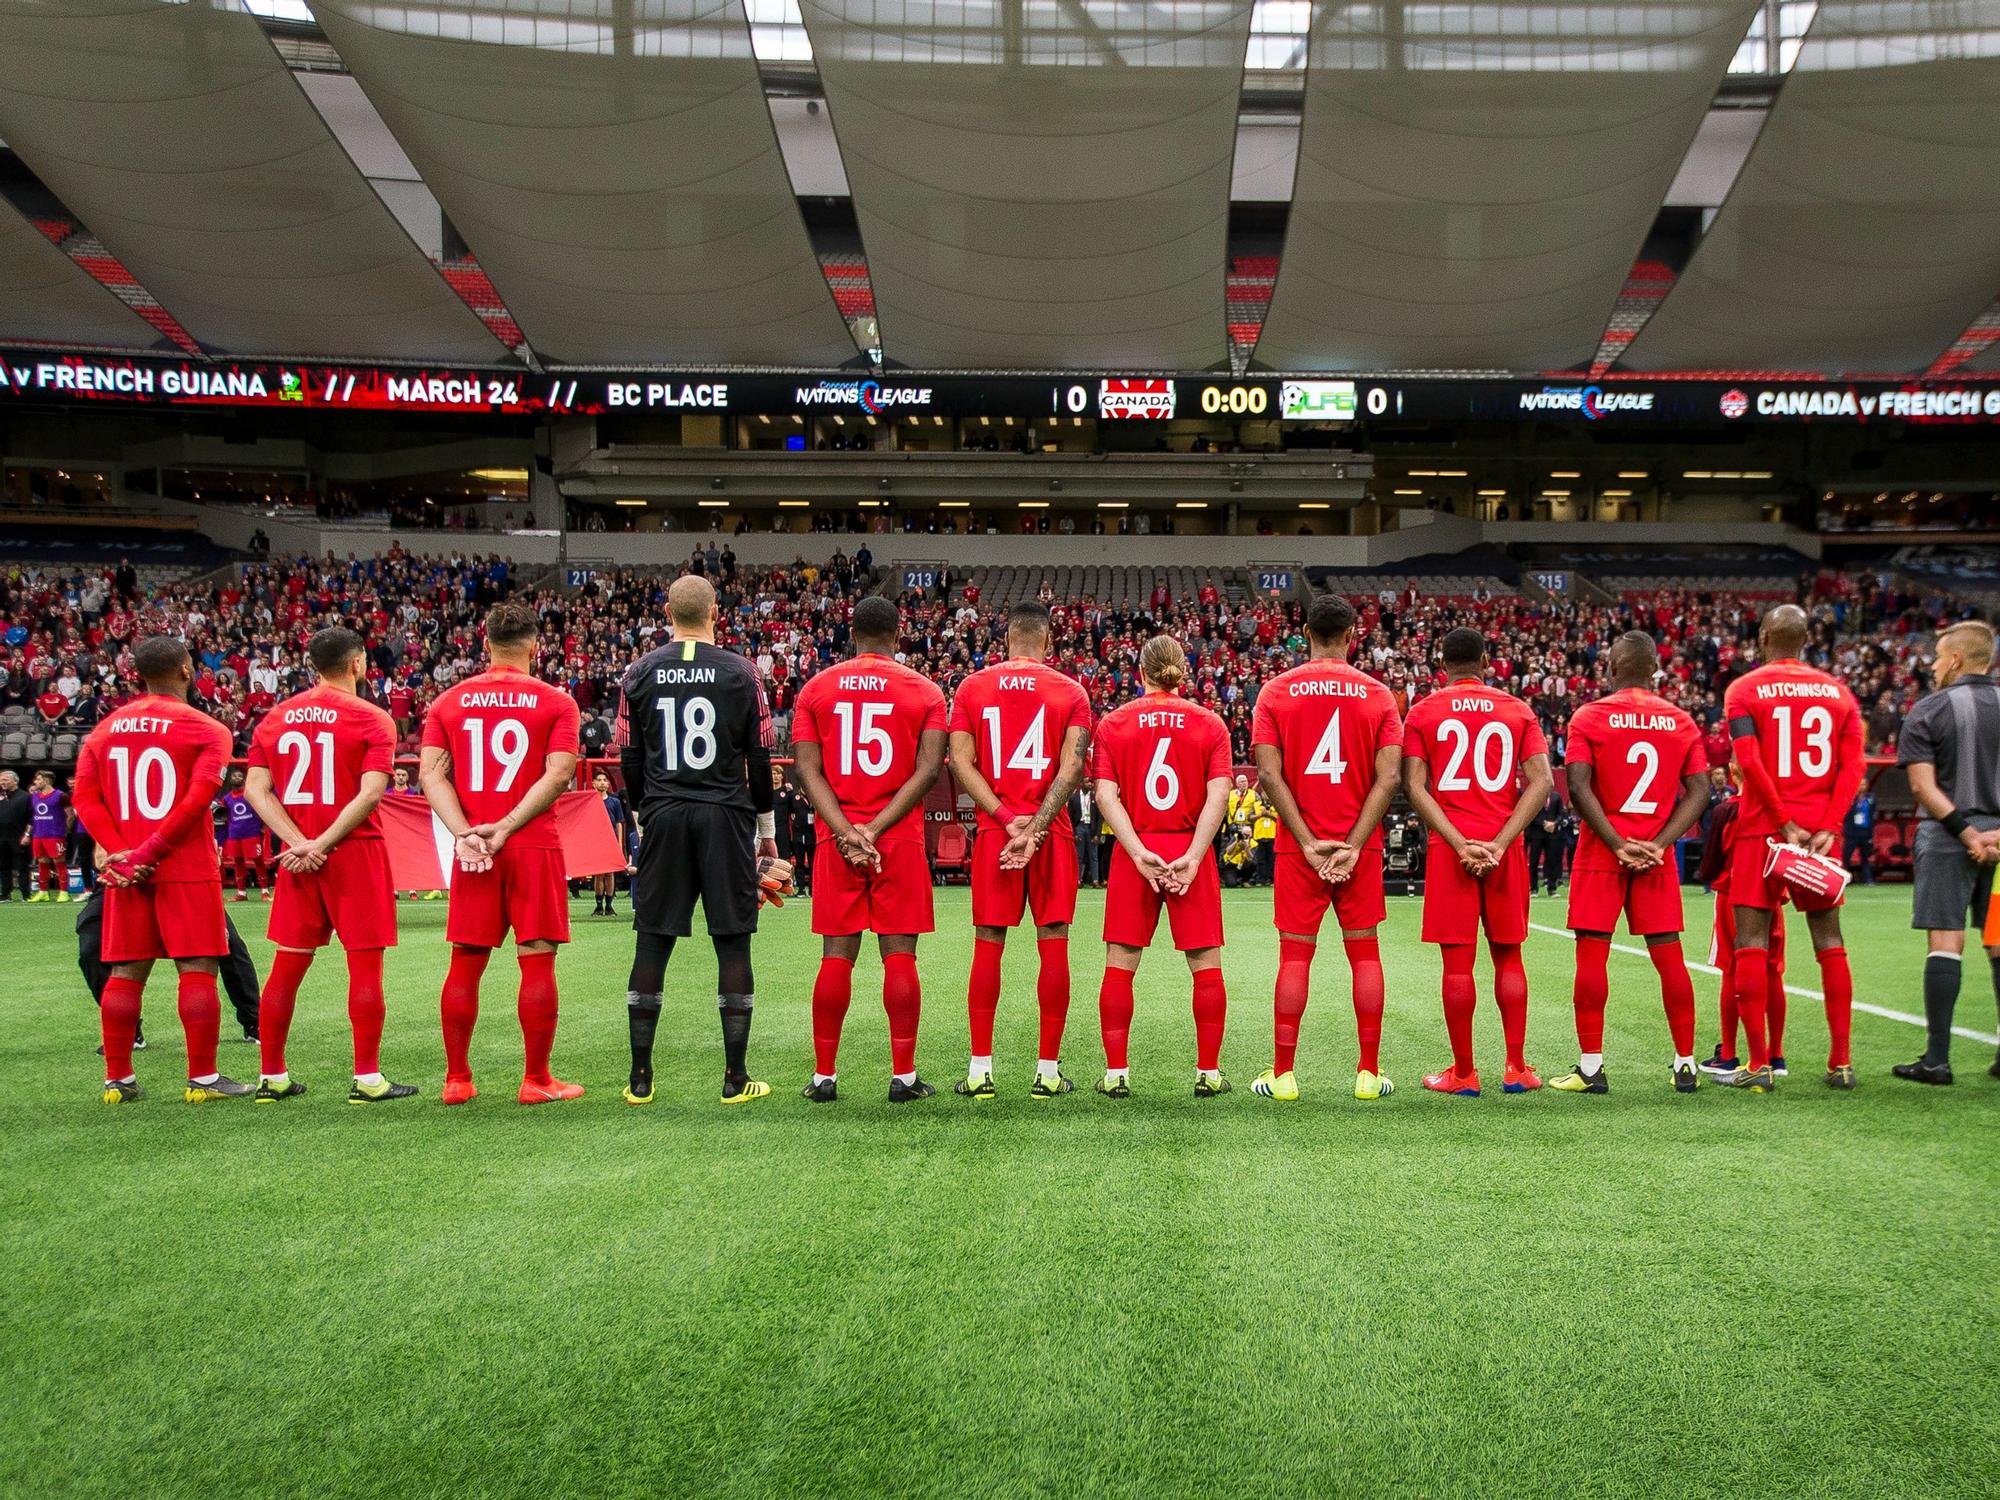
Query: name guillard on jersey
{"type": "Point", "coordinates": [1770, 690]}
{"type": "Point", "coordinates": [499, 700]}
{"type": "Point", "coordinates": [1642, 721]}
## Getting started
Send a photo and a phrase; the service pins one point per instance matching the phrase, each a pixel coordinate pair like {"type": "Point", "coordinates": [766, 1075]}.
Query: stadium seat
{"type": "Point", "coordinates": [954, 851]}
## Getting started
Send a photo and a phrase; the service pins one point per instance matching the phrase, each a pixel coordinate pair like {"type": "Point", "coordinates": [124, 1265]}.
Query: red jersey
{"type": "Point", "coordinates": [1475, 739]}
{"type": "Point", "coordinates": [499, 728]}
{"type": "Point", "coordinates": [1018, 713]}
{"type": "Point", "coordinates": [1639, 747]}
{"type": "Point", "coordinates": [1328, 721]}
{"type": "Point", "coordinates": [1803, 731]}
{"type": "Point", "coordinates": [1161, 751]}
{"type": "Point", "coordinates": [154, 767]}
{"type": "Point", "coordinates": [317, 745]}
{"type": "Point", "coordinates": [867, 716]}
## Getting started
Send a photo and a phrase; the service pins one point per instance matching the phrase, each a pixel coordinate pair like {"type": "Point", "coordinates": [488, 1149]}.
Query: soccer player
{"type": "Point", "coordinates": [1161, 766]}
{"type": "Point", "coordinates": [869, 738]}
{"type": "Point", "coordinates": [243, 838]}
{"type": "Point", "coordinates": [1799, 739]}
{"type": "Point", "coordinates": [694, 741]}
{"type": "Point", "coordinates": [146, 779]}
{"type": "Point", "coordinates": [48, 834]}
{"type": "Point", "coordinates": [498, 749]}
{"type": "Point", "coordinates": [1638, 777]}
{"type": "Point", "coordinates": [1714, 873]}
{"type": "Point", "coordinates": [1329, 748]}
{"type": "Point", "coordinates": [1492, 778]}
{"type": "Point", "coordinates": [1020, 735]}
{"type": "Point", "coordinates": [330, 752]}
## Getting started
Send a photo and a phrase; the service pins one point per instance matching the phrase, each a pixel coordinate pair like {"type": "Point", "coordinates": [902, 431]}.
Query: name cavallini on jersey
{"type": "Point", "coordinates": [499, 700]}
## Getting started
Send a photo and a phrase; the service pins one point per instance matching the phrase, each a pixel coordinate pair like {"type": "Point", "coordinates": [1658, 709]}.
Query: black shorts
{"type": "Point", "coordinates": [690, 850]}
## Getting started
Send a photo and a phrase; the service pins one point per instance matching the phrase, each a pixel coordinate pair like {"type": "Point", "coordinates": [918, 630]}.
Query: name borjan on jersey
{"type": "Point", "coordinates": [679, 674]}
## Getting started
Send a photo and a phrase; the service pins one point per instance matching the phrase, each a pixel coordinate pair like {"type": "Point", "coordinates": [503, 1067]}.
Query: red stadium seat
{"type": "Point", "coordinates": [954, 850]}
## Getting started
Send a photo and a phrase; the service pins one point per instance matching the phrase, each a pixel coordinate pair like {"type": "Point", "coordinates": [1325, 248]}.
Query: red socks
{"type": "Point", "coordinates": [201, 1019]}
{"type": "Point", "coordinates": [1838, 982]}
{"type": "Point", "coordinates": [1774, 1001]}
{"type": "Point", "coordinates": [365, 1008]}
{"type": "Point", "coordinates": [833, 991]}
{"type": "Point", "coordinates": [1510, 993]}
{"type": "Point", "coordinates": [982, 995]}
{"type": "Point", "coordinates": [459, 1008]}
{"type": "Point", "coordinates": [538, 1015]}
{"type": "Point", "coordinates": [119, 1021]}
{"type": "Point", "coordinates": [1114, 1015]}
{"type": "Point", "coordinates": [1460, 997]}
{"type": "Point", "coordinates": [1676, 993]}
{"type": "Point", "coordinates": [1364, 958]}
{"type": "Point", "coordinates": [275, 1007]}
{"type": "Point", "coordinates": [903, 1002]}
{"type": "Point", "coordinates": [1728, 1038]}
{"type": "Point", "coordinates": [1752, 983]}
{"type": "Point", "coordinates": [1593, 988]}
{"type": "Point", "coordinates": [1289, 1003]}
{"type": "Point", "coordinates": [1211, 1010]}
{"type": "Point", "coordinates": [1052, 994]}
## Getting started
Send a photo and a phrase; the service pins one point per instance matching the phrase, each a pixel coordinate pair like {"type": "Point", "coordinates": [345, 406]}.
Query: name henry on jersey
{"type": "Point", "coordinates": [855, 682]}
{"type": "Point", "coordinates": [1643, 721]}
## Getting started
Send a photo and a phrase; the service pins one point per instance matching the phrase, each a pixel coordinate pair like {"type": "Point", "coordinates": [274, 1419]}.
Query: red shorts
{"type": "Point", "coordinates": [348, 895]}
{"type": "Point", "coordinates": [1047, 888]}
{"type": "Point", "coordinates": [1722, 938]}
{"type": "Point", "coordinates": [1132, 907]}
{"type": "Point", "coordinates": [895, 899]}
{"type": "Point", "coordinates": [1748, 885]}
{"type": "Point", "coordinates": [1299, 898]}
{"type": "Point", "coordinates": [250, 849]}
{"type": "Point", "coordinates": [177, 919]}
{"type": "Point", "coordinates": [525, 891]}
{"type": "Point", "coordinates": [1457, 902]}
{"type": "Point", "coordinates": [1650, 901]}
{"type": "Point", "coordinates": [47, 849]}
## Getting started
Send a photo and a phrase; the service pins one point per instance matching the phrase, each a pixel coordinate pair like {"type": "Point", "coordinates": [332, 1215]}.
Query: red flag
{"type": "Point", "coordinates": [420, 850]}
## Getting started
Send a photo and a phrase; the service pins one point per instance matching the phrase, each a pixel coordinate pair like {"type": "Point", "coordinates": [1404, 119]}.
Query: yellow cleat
{"type": "Point", "coordinates": [62, 898]}
{"type": "Point", "coordinates": [1274, 1085]}
{"type": "Point", "coordinates": [123, 1093]}
{"type": "Point", "coordinates": [645, 1098]}
{"type": "Point", "coordinates": [39, 896]}
{"type": "Point", "coordinates": [1369, 1085]}
{"type": "Point", "coordinates": [751, 1089]}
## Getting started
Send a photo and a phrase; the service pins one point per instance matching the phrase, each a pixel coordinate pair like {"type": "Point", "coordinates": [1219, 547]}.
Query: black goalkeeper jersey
{"type": "Point", "coordinates": [694, 725]}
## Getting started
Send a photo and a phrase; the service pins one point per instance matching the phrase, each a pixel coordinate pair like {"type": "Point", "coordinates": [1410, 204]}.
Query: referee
{"type": "Point", "coordinates": [1951, 748]}
{"type": "Point", "coordinates": [694, 741]}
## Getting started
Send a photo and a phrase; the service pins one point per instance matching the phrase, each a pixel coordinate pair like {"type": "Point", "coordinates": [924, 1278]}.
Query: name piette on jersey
{"type": "Point", "coordinates": [1162, 718]}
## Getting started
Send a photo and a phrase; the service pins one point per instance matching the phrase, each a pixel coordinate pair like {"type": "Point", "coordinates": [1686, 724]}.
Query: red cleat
{"type": "Point", "coordinates": [1520, 1080]}
{"type": "Point", "coordinates": [1451, 1081]}
{"type": "Point", "coordinates": [550, 1092]}
{"type": "Point", "coordinates": [459, 1091]}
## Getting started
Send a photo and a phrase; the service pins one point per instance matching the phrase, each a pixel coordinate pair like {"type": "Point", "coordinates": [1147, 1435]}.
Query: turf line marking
{"type": "Point", "coordinates": [1791, 989]}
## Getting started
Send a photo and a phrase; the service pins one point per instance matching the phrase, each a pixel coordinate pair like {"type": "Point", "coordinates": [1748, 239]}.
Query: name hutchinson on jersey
{"type": "Point", "coordinates": [1798, 690]}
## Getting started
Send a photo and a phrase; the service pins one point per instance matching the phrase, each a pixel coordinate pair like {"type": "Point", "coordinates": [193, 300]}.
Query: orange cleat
{"type": "Point", "coordinates": [1451, 1081]}
{"type": "Point", "coordinates": [459, 1091]}
{"type": "Point", "coordinates": [550, 1092]}
{"type": "Point", "coordinates": [1521, 1080]}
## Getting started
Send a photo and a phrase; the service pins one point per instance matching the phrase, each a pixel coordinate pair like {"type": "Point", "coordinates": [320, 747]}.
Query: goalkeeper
{"type": "Point", "coordinates": [694, 742]}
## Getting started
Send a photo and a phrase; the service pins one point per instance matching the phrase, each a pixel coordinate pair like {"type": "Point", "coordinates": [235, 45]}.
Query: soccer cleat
{"type": "Point", "coordinates": [1718, 1064]}
{"type": "Point", "coordinates": [1686, 1079]}
{"type": "Point", "coordinates": [1113, 1087]}
{"type": "Point", "coordinates": [248, 1039]}
{"type": "Point", "coordinates": [820, 1091]}
{"type": "Point", "coordinates": [903, 1093]}
{"type": "Point", "coordinates": [1210, 1085]}
{"type": "Point", "coordinates": [459, 1091]}
{"type": "Point", "coordinates": [217, 1087]}
{"type": "Point", "coordinates": [1521, 1080]}
{"type": "Point", "coordinates": [1369, 1085]}
{"type": "Point", "coordinates": [1576, 1081]}
{"type": "Point", "coordinates": [1841, 1078]}
{"type": "Point", "coordinates": [635, 1098]}
{"type": "Point", "coordinates": [127, 1092]}
{"type": "Point", "coordinates": [293, 1089]}
{"type": "Point", "coordinates": [1271, 1084]}
{"type": "Point", "coordinates": [1921, 1071]}
{"type": "Point", "coordinates": [39, 896]}
{"type": "Point", "coordinates": [976, 1088]}
{"type": "Point", "coordinates": [62, 898]}
{"type": "Point", "coordinates": [1756, 1080]}
{"type": "Point", "coordinates": [552, 1092]}
{"type": "Point", "coordinates": [1778, 1069]}
{"type": "Point", "coordinates": [382, 1094]}
{"type": "Point", "coordinates": [743, 1090]}
{"type": "Point", "coordinates": [1451, 1081]}
{"type": "Point", "coordinates": [433, 895]}
{"type": "Point", "coordinates": [1042, 1088]}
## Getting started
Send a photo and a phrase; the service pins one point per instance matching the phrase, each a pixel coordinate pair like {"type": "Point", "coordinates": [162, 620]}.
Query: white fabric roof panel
{"type": "Point", "coordinates": [1043, 184]}
{"type": "Point", "coordinates": [1863, 234]}
{"type": "Point", "coordinates": [613, 165]}
{"type": "Point", "coordinates": [45, 297]}
{"type": "Point", "coordinates": [177, 135]}
{"type": "Point", "coordinates": [1475, 183]}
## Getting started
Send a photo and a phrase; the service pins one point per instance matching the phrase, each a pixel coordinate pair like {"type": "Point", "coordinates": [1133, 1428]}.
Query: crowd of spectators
{"type": "Point", "coordinates": [67, 636]}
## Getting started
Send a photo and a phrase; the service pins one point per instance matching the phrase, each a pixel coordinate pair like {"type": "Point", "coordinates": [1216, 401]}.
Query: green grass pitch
{"type": "Point", "coordinates": [1641, 1294]}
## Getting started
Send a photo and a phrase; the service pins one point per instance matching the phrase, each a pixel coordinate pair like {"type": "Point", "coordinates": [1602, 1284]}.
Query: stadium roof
{"type": "Point", "coordinates": [1041, 185]}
